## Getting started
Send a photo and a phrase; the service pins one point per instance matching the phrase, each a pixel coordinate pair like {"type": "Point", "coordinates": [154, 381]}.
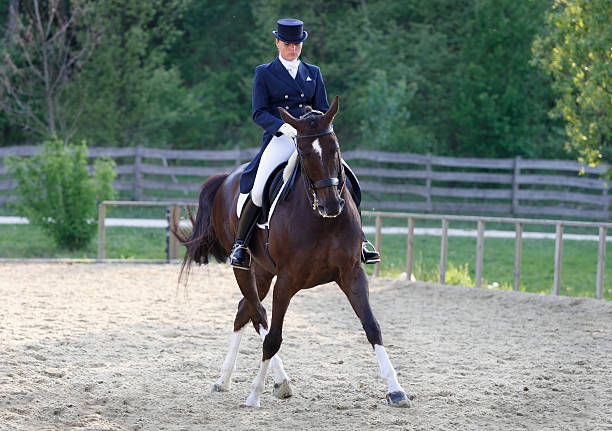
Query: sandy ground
{"type": "Point", "coordinates": [105, 347]}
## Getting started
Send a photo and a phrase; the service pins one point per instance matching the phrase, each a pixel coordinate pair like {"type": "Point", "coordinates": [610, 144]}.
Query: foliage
{"type": "Point", "coordinates": [575, 51]}
{"type": "Point", "coordinates": [385, 106]}
{"type": "Point", "coordinates": [56, 191]}
{"type": "Point", "coordinates": [41, 55]}
{"type": "Point", "coordinates": [131, 95]}
{"type": "Point", "coordinates": [436, 76]}
{"type": "Point", "coordinates": [501, 101]}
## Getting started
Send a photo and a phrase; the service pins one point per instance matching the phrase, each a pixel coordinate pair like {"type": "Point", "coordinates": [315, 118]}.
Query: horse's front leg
{"type": "Point", "coordinates": [354, 284]}
{"type": "Point", "coordinates": [272, 340]}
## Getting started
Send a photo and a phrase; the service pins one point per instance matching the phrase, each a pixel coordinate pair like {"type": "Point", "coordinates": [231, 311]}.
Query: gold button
{"type": "Point", "coordinates": [302, 95]}
{"type": "Point", "coordinates": [286, 107]}
{"type": "Point", "coordinates": [300, 105]}
{"type": "Point", "coordinates": [286, 96]}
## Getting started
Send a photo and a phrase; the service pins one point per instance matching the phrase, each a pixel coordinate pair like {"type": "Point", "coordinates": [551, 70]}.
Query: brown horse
{"type": "Point", "coordinates": [314, 238]}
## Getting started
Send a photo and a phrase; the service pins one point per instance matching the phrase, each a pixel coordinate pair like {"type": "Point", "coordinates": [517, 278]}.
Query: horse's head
{"type": "Point", "coordinates": [319, 155]}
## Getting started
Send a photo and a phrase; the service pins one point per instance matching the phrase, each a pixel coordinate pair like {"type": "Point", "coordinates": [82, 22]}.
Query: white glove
{"type": "Point", "coordinates": [288, 130]}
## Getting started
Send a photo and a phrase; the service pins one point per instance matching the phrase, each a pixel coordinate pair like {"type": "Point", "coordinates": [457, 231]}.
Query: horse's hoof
{"type": "Point", "coordinates": [217, 387]}
{"type": "Point", "coordinates": [282, 390]}
{"type": "Point", "coordinates": [252, 401]}
{"type": "Point", "coordinates": [397, 399]}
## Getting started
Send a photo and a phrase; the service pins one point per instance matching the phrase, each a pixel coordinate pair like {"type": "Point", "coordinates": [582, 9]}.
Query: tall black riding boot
{"type": "Point", "coordinates": [240, 256]}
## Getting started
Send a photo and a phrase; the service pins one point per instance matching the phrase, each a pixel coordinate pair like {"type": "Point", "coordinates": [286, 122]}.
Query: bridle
{"type": "Point", "coordinates": [312, 187]}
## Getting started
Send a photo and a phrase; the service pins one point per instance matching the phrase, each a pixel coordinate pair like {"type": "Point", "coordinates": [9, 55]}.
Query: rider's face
{"type": "Point", "coordinates": [289, 51]}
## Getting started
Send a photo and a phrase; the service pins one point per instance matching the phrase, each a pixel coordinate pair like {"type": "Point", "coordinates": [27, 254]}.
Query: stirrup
{"type": "Point", "coordinates": [369, 256]}
{"type": "Point", "coordinates": [240, 256]}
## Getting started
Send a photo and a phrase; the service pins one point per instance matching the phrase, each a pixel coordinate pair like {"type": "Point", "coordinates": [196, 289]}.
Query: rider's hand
{"type": "Point", "coordinates": [288, 130]}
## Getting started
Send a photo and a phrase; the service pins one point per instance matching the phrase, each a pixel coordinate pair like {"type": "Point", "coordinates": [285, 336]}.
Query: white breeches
{"type": "Point", "coordinates": [278, 151]}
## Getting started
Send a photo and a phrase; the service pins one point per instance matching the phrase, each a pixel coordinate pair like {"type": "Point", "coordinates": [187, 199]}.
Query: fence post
{"type": "Point", "coordinates": [605, 199]}
{"type": "Point", "coordinates": [138, 172]}
{"type": "Point", "coordinates": [378, 243]}
{"type": "Point", "coordinates": [558, 255]}
{"type": "Point", "coordinates": [443, 251]}
{"type": "Point", "coordinates": [238, 160]}
{"type": "Point", "coordinates": [515, 185]}
{"type": "Point", "coordinates": [518, 250]}
{"type": "Point", "coordinates": [479, 253]}
{"type": "Point", "coordinates": [410, 248]}
{"type": "Point", "coordinates": [601, 262]}
{"type": "Point", "coordinates": [428, 183]}
{"type": "Point", "coordinates": [173, 221]}
{"type": "Point", "coordinates": [101, 230]}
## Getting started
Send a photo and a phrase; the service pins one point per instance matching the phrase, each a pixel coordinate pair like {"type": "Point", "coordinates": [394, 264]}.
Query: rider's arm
{"type": "Point", "coordinates": [261, 104]}
{"type": "Point", "coordinates": [319, 100]}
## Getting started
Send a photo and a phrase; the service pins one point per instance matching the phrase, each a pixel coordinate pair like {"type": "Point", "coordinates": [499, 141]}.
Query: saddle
{"type": "Point", "coordinates": [277, 188]}
{"type": "Point", "coordinates": [281, 182]}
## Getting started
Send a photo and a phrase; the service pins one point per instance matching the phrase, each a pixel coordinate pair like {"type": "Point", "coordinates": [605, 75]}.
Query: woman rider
{"type": "Point", "coordinates": [292, 84]}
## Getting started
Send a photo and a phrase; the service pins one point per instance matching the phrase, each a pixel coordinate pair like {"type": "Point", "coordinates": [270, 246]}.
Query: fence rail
{"type": "Point", "coordinates": [173, 211]}
{"type": "Point", "coordinates": [389, 181]}
{"type": "Point", "coordinates": [519, 223]}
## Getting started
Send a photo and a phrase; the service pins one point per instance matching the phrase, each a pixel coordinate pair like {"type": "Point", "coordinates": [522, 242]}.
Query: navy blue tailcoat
{"type": "Point", "coordinates": [273, 86]}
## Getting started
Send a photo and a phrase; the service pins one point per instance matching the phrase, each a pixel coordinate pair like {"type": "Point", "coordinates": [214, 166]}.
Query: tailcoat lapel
{"type": "Point", "coordinates": [281, 73]}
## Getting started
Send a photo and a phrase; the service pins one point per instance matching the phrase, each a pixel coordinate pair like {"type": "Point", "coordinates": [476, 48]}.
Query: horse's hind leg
{"type": "Point", "coordinates": [229, 364]}
{"type": "Point", "coordinates": [257, 282]}
{"type": "Point", "coordinates": [273, 339]}
{"type": "Point", "coordinates": [355, 286]}
{"type": "Point", "coordinates": [282, 389]}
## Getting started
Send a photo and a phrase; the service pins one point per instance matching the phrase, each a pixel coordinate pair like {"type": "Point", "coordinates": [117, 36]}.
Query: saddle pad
{"type": "Point", "coordinates": [274, 188]}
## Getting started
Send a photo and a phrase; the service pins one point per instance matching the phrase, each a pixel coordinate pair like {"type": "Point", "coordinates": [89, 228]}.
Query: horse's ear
{"type": "Point", "coordinates": [287, 117]}
{"type": "Point", "coordinates": [332, 111]}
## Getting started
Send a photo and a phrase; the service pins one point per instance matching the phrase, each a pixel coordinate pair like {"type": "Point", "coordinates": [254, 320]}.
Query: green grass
{"type": "Point", "coordinates": [24, 241]}
{"type": "Point", "coordinates": [578, 275]}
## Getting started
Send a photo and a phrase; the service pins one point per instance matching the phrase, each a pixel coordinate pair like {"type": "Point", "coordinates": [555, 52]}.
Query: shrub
{"type": "Point", "coordinates": [56, 191]}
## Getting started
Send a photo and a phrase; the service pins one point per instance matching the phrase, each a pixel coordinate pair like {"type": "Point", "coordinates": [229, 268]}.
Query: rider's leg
{"type": "Point", "coordinates": [240, 257]}
{"type": "Point", "coordinates": [278, 151]}
{"type": "Point", "coordinates": [367, 256]}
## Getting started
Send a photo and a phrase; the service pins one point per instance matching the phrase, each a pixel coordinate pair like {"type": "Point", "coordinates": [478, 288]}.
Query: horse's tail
{"type": "Point", "coordinates": [202, 243]}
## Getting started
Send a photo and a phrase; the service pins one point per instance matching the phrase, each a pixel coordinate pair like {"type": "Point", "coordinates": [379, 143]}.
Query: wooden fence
{"type": "Point", "coordinates": [389, 181]}
{"type": "Point", "coordinates": [173, 247]}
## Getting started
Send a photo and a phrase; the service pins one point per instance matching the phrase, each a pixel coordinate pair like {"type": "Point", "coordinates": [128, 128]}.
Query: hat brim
{"type": "Point", "coordinates": [303, 38]}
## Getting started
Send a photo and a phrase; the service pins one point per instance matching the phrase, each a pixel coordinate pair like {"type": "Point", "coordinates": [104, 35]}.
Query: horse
{"type": "Point", "coordinates": [314, 238]}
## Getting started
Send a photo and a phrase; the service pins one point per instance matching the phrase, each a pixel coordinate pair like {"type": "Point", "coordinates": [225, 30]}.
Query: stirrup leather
{"type": "Point", "coordinates": [369, 256]}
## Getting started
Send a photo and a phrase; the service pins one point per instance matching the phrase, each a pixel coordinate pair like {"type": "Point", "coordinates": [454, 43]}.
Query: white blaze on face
{"type": "Point", "coordinates": [317, 147]}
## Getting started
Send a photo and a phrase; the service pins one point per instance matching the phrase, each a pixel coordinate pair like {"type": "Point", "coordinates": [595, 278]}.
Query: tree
{"type": "Point", "coordinates": [131, 94]}
{"type": "Point", "coordinates": [46, 49]}
{"type": "Point", "coordinates": [575, 51]}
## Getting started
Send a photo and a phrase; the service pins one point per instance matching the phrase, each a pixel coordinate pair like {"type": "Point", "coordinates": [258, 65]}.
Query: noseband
{"type": "Point", "coordinates": [312, 187]}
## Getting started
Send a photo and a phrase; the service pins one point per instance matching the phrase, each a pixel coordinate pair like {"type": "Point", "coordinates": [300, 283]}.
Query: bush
{"type": "Point", "coordinates": [56, 191]}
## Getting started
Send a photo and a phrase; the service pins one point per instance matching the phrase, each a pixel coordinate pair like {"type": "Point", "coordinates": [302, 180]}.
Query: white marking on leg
{"type": "Point", "coordinates": [387, 372]}
{"type": "Point", "coordinates": [276, 364]}
{"type": "Point", "coordinates": [229, 364]}
{"type": "Point", "coordinates": [317, 147]}
{"type": "Point", "coordinates": [258, 385]}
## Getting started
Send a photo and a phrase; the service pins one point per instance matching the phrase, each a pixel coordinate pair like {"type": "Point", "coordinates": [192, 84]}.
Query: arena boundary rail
{"type": "Point", "coordinates": [173, 212]}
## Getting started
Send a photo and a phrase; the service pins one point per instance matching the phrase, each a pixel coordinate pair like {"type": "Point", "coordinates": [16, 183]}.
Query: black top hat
{"type": "Point", "coordinates": [290, 30]}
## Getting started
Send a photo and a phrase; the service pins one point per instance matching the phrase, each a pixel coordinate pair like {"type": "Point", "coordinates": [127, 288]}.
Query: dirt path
{"type": "Point", "coordinates": [105, 347]}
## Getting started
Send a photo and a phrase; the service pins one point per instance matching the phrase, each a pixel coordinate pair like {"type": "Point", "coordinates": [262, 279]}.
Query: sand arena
{"type": "Point", "coordinates": [122, 347]}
